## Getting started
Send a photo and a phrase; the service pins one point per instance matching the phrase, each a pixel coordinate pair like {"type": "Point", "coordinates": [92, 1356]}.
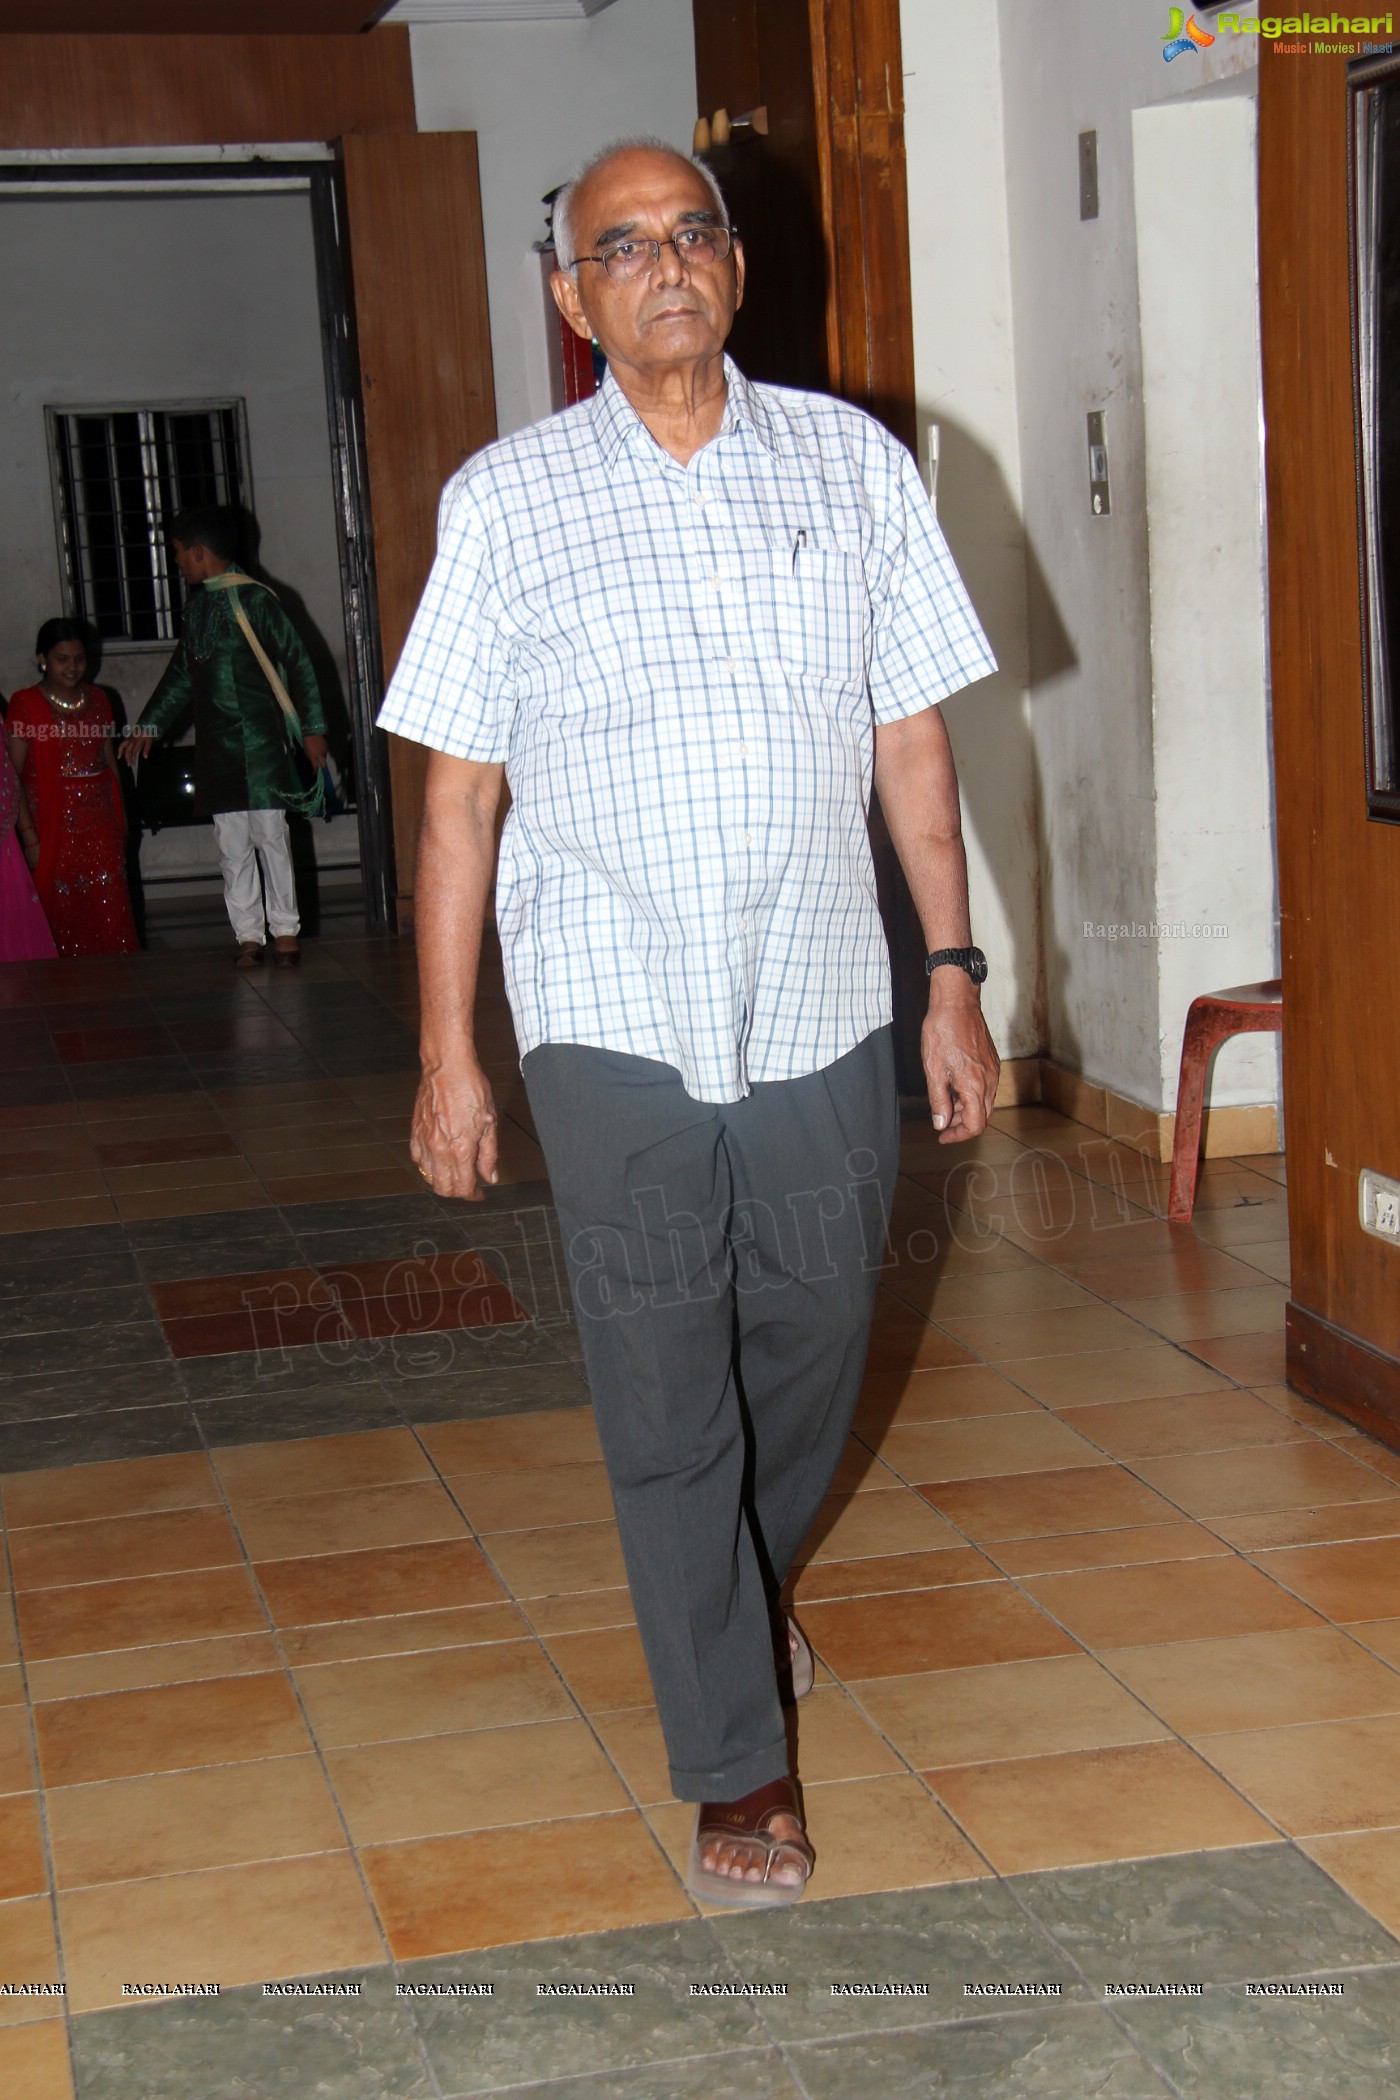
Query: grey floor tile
{"type": "Point", "coordinates": [67, 1308]}
{"type": "Point", "coordinates": [750, 2075]}
{"type": "Point", "coordinates": [218, 1228]}
{"type": "Point", "coordinates": [517, 2036]}
{"type": "Point", "coordinates": [92, 1349]}
{"type": "Point", "coordinates": [177, 1262]}
{"type": "Point", "coordinates": [454, 1356]}
{"type": "Point", "coordinates": [243, 2046]}
{"type": "Point", "coordinates": [503, 1392]}
{"type": "Point", "coordinates": [40, 1395]}
{"type": "Point", "coordinates": [274, 1418]}
{"type": "Point", "coordinates": [266, 1374]}
{"type": "Point", "coordinates": [80, 1440]}
{"type": "Point", "coordinates": [1053, 2053]}
{"type": "Point", "coordinates": [80, 1269]}
{"type": "Point", "coordinates": [412, 1213]}
{"type": "Point", "coordinates": [1205, 1917]}
{"type": "Point", "coordinates": [944, 1938]}
{"type": "Point", "coordinates": [1226, 2046]}
{"type": "Point", "coordinates": [64, 1242]}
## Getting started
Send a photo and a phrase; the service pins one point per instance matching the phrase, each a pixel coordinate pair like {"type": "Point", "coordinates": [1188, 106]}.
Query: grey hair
{"type": "Point", "coordinates": [565, 232]}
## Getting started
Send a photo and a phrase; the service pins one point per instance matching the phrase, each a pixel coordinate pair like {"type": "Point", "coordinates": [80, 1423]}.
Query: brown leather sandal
{"type": "Point", "coordinates": [749, 1821]}
{"type": "Point", "coordinates": [792, 1657]}
{"type": "Point", "coordinates": [249, 956]}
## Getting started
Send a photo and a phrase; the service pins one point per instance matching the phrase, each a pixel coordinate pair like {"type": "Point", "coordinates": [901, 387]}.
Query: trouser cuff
{"type": "Point", "coordinates": [733, 1781]}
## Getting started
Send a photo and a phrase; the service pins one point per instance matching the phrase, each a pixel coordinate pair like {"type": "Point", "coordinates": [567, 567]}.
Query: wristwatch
{"type": "Point", "coordinates": [970, 959]}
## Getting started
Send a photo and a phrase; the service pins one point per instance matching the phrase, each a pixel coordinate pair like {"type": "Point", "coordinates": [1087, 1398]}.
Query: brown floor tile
{"type": "Point", "coordinates": [1025, 1289]}
{"type": "Point", "coordinates": [891, 1400]}
{"type": "Point", "coordinates": [231, 1925]}
{"type": "Point", "coordinates": [1368, 1867]}
{"type": "Point", "coordinates": [124, 1487]}
{"type": "Point", "coordinates": [560, 1562]}
{"type": "Point", "coordinates": [533, 1497]}
{"type": "Point", "coordinates": [1010, 1709]}
{"type": "Point", "coordinates": [916, 1630]}
{"type": "Point", "coordinates": [384, 1582]}
{"type": "Point", "coordinates": [226, 1720]}
{"type": "Point", "coordinates": [109, 1548]}
{"type": "Point", "coordinates": [1305, 1412]}
{"type": "Point", "coordinates": [1370, 1453]}
{"type": "Point", "coordinates": [407, 1513]}
{"type": "Point", "coordinates": [357, 1640]}
{"type": "Point", "coordinates": [21, 1191]}
{"type": "Point", "coordinates": [1030, 1814]}
{"type": "Point", "coordinates": [204, 1296]}
{"type": "Point", "coordinates": [564, 1436]}
{"type": "Point", "coordinates": [1198, 1316]}
{"type": "Point", "coordinates": [849, 1527]}
{"type": "Point", "coordinates": [490, 1777]}
{"type": "Point", "coordinates": [1036, 1442]}
{"type": "Point", "coordinates": [892, 1571]}
{"type": "Point", "coordinates": [178, 1822]}
{"type": "Point", "coordinates": [150, 1610]}
{"type": "Point", "coordinates": [50, 1217]}
{"type": "Point", "coordinates": [1003, 1337]}
{"type": "Point", "coordinates": [1258, 1680]}
{"type": "Point", "coordinates": [1037, 1505]}
{"type": "Point", "coordinates": [9, 1639]}
{"type": "Point", "coordinates": [441, 1691]}
{"type": "Point", "coordinates": [197, 1177]}
{"type": "Point", "coordinates": [1153, 1372]}
{"type": "Point", "coordinates": [490, 1888]}
{"type": "Point", "coordinates": [902, 1342]}
{"type": "Point", "coordinates": [34, 2062]}
{"type": "Point", "coordinates": [1311, 1527]}
{"type": "Point", "coordinates": [1251, 1483]}
{"type": "Point", "coordinates": [1106, 1549]}
{"type": "Point", "coordinates": [1193, 1266]}
{"type": "Point", "coordinates": [868, 1835]}
{"type": "Point", "coordinates": [1250, 1359]}
{"type": "Point", "coordinates": [860, 1471]}
{"type": "Point", "coordinates": [17, 1775]}
{"type": "Point", "coordinates": [834, 1740]}
{"type": "Point", "coordinates": [582, 1614]}
{"type": "Point", "coordinates": [186, 1203]}
{"type": "Point", "coordinates": [634, 1742]}
{"type": "Point", "coordinates": [156, 1151]}
{"type": "Point", "coordinates": [1165, 1428]}
{"type": "Point", "coordinates": [605, 1669]}
{"type": "Point", "coordinates": [27, 1955]}
{"type": "Point", "coordinates": [1326, 1776]}
{"type": "Point", "coordinates": [11, 1682]}
{"type": "Point", "coordinates": [1180, 1600]}
{"type": "Point", "coordinates": [131, 1669]}
{"type": "Point", "coordinates": [22, 1869]}
{"type": "Point", "coordinates": [342, 1188]}
{"type": "Point", "coordinates": [320, 1465]}
{"type": "Point", "coordinates": [1383, 1635]}
{"type": "Point", "coordinates": [1355, 1579]}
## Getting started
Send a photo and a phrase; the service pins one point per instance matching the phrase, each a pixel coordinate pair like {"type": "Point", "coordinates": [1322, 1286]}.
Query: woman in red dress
{"type": "Point", "coordinates": [60, 741]}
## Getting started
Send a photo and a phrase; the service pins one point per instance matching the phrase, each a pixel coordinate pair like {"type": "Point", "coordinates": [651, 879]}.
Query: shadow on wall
{"type": "Point", "coordinates": [998, 768]}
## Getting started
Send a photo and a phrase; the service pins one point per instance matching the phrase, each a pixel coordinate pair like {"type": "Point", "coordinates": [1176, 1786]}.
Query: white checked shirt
{"type": "Point", "coordinates": [682, 669]}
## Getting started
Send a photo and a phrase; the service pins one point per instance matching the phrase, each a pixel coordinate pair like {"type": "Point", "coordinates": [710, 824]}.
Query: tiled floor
{"type": "Point", "coordinates": [317, 1660]}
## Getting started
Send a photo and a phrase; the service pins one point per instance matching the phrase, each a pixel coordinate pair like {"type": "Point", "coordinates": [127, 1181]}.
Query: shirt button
{"type": "Point", "coordinates": [748, 841]}
{"type": "Point", "coordinates": [731, 663]}
{"type": "Point", "coordinates": [743, 750]}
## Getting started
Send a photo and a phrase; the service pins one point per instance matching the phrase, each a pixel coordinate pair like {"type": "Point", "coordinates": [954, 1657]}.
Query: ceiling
{"type": "Point", "coordinates": [180, 18]}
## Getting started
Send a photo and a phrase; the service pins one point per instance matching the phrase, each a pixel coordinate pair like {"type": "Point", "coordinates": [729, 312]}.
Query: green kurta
{"type": "Point", "coordinates": [244, 757]}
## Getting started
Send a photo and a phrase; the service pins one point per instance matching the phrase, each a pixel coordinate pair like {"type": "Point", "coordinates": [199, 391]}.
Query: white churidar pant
{"type": "Point", "coordinates": [245, 837]}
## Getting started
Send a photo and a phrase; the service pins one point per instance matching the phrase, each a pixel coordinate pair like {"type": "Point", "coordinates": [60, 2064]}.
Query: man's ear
{"type": "Point", "coordinates": [738, 252]}
{"type": "Point", "coordinates": [566, 298]}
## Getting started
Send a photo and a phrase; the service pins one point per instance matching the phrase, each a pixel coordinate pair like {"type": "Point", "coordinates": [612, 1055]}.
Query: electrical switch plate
{"type": "Point", "coordinates": [1380, 1205]}
{"type": "Point", "coordinates": [1098, 465]}
{"type": "Point", "coordinates": [1088, 174]}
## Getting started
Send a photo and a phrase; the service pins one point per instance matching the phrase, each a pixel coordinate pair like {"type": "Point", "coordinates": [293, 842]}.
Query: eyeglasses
{"type": "Point", "coordinates": [700, 245]}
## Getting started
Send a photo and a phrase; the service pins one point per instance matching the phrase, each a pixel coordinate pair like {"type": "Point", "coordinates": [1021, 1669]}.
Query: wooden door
{"type": "Point", "coordinates": [418, 295]}
{"type": "Point", "coordinates": [1339, 872]}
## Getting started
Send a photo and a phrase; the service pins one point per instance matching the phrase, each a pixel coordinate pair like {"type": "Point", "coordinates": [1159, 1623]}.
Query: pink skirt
{"type": "Point", "coordinates": [24, 931]}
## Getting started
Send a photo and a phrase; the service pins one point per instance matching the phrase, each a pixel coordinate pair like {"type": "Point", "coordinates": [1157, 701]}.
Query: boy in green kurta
{"type": "Point", "coordinates": [244, 669]}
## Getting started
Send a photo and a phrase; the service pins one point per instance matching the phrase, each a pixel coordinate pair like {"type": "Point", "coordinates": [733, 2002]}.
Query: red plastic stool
{"type": "Point", "coordinates": [1212, 1017]}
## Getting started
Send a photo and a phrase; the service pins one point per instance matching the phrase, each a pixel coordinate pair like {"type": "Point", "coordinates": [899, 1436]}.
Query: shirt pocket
{"type": "Point", "coordinates": [819, 610]}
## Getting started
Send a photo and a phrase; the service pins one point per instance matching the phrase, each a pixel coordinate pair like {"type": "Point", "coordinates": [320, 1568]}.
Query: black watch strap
{"type": "Point", "coordinates": [970, 959]}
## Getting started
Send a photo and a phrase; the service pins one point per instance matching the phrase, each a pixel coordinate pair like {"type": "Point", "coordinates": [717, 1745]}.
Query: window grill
{"type": "Point", "coordinates": [120, 476]}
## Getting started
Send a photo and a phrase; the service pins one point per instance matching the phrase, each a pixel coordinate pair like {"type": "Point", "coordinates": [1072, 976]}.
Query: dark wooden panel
{"type": "Point", "coordinates": [1339, 874]}
{"type": "Point", "coordinates": [418, 276]}
{"type": "Point", "coordinates": [1341, 1373]}
{"type": "Point", "coordinates": [201, 90]}
{"type": "Point", "coordinates": [178, 18]}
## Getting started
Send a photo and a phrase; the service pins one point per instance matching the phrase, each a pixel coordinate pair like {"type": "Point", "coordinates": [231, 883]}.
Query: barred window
{"type": "Point", "coordinates": [120, 476]}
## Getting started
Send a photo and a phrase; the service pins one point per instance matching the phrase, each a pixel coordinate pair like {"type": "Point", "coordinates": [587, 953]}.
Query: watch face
{"type": "Point", "coordinates": [977, 965]}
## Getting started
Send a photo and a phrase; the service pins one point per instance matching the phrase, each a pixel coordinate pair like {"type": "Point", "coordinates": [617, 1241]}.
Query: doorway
{"type": "Point", "coordinates": [186, 336]}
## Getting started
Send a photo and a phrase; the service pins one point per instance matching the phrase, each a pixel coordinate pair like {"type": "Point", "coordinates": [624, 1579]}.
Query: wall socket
{"type": "Point", "coordinates": [1380, 1205]}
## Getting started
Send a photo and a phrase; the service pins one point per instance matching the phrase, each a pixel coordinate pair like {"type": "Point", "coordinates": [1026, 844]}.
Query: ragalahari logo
{"type": "Point", "coordinates": [1194, 39]}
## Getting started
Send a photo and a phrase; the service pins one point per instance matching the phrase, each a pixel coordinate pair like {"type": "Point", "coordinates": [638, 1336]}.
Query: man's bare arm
{"type": "Point", "coordinates": [453, 1139]}
{"type": "Point", "coordinates": [917, 784]}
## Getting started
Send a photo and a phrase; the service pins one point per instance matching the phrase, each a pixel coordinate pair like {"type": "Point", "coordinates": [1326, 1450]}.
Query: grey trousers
{"type": "Point", "coordinates": [723, 1259]}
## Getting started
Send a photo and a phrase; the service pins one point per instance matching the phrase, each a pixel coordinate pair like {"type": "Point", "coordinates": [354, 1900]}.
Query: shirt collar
{"type": "Point", "coordinates": [616, 422]}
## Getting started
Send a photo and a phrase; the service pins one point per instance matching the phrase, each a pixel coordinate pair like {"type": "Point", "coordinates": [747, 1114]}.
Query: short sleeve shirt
{"type": "Point", "coordinates": [681, 669]}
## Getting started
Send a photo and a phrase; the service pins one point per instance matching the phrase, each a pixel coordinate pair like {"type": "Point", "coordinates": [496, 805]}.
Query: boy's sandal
{"type": "Point", "coordinates": [792, 1657]}
{"type": "Point", "coordinates": [749, 1821]}
{"type": "Point", "coordinates": [250, 955]}
{"type": "Point", "coordinates": [286, 958]}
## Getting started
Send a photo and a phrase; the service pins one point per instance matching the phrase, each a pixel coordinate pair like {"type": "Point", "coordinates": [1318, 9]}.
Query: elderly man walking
{"type": "Point", "coordinates": [690, 621]}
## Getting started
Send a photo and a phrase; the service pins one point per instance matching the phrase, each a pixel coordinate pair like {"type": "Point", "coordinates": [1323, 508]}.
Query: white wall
{"type": "Point", "coordinates": [540, 96]}
{"type": "Point", "coordinates": [965, 381]}
{"type": "Point", "coordinates": [1078, 347]}
{"type": "Point", "coordinates": [158, 300]}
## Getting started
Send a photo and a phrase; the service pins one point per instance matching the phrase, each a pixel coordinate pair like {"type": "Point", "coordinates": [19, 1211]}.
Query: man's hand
{"type": "Point", "coordinates": [135, 746]}
{"type": "Point", "coordinates": [315, 749]}
{"type": "Point", "coordinates": [452, 1141]}
{"type": "Point", "coordinates": [960, 1064]}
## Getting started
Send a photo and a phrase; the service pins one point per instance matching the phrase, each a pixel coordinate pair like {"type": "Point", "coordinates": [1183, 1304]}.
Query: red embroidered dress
{"type": "Point", "coordinates": [77, 807]}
